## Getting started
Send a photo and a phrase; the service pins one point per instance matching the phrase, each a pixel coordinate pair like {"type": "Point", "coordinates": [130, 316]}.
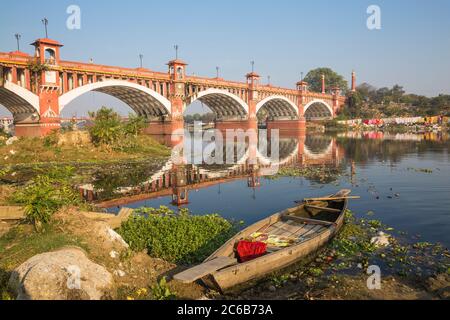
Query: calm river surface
{"type": "Point", "coordinates": [403, 180]}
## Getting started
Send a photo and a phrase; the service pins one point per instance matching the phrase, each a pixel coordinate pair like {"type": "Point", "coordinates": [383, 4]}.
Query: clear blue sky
{"type": "Point", "coordinates": [283, 37]}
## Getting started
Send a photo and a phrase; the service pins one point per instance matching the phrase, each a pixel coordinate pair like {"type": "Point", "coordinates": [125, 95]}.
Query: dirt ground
{"type": "Point", "coordinates": [141, 271]}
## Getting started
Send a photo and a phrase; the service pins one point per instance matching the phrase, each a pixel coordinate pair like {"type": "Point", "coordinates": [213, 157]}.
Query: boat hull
{"type": "Point", "coordinates": [230, 277]}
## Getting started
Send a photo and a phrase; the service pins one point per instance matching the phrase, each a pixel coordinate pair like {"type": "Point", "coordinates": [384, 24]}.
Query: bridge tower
{"type": "Point", "coordinates": [253, 98]}
{"type": "Point", "coordinates": [177, 72]}
{"type": "Point", "coordinates": [46, 85]}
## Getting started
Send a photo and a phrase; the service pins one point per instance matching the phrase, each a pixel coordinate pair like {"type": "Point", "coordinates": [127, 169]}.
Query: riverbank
{"type": "Point", "coordinates": [409, 269]}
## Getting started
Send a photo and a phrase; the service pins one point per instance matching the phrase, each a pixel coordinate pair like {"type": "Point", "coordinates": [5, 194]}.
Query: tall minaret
{"type": "Point", "coordinates": [323, 84]}
{"type": "Point", "coordinates": [353, 81]}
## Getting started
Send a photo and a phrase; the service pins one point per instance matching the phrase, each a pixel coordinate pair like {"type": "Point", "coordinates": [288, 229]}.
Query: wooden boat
{"type": "Point", "coordinates": [307, 226]}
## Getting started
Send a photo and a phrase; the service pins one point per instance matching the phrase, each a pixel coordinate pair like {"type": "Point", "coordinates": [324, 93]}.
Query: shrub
{"type": "Point", "coordinates": [107, 127]}
{"type": "Point", "coordinates": [46, 194]}
{"type": "Point", "coordinates": [161, 291]}
{"type": "Point", "coordinates": [182, 239]}
{"type": "Point", "coordinates": [109, 130]}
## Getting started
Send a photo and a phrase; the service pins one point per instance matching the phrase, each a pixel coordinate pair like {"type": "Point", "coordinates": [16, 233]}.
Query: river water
{"type": "Point", "coordinates": [403, 181]}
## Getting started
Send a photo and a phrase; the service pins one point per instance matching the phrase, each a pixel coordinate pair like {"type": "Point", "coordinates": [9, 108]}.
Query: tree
{"type": "Point", "coordinates": [107, 127]}
{"type": "Point", "coordinates": [135, 124]}
{"type": "Point", "coordinates": [332, 79]}
{"type": "Point", "coordinates": [354, 105]}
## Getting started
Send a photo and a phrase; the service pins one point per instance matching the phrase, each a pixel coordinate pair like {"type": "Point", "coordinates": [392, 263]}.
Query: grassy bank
{"type": "Point", "coordinates": [44, 150]}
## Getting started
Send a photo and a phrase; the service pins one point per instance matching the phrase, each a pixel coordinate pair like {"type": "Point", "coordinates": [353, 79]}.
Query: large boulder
{"type": "Point", "coordinates": [66, 274]}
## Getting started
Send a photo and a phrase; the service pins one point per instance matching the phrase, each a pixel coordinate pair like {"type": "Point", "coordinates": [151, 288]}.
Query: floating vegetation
{"type": "Point", "coordinates": [422, 170]}
{"type": "Point", "coordinates": [179, 238]}
{"type": "Point", "coordinates": [320, 174]}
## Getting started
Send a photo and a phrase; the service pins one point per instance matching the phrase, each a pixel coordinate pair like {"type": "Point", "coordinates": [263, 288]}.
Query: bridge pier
{"type": "Point", "coordinates": [163, 128]}
{"type": "Point", "coordinates": [237, 124]}
{"type": "Point", "coordinates": [287, 126]}
{"type": "Point", "coordinates": [39, 129]}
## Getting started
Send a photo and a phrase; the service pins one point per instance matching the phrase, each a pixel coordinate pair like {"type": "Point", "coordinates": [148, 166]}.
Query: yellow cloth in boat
{"type": "Point", "coordinates": [272, 240]}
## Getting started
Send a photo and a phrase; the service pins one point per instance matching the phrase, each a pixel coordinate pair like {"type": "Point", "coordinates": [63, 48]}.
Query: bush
{"type": "Point", "coordinates": [109, 130]}
{"type": "Point", "coordinates": [107, 127]}
{"type": "Point", "coordinates": [46, 194]}
{"type": "Point", "coordinates": [177, 238]}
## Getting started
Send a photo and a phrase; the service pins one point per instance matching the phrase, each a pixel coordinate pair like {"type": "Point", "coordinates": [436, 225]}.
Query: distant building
{"type": "Point", "coordinates": [6, 124]}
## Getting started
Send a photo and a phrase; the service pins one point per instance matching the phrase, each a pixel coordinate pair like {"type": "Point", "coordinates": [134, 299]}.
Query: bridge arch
{"type": "Point", "coordinates": [22, 103]}
{"type": "Point", "coordinates": [317, 109]}
{"type": "Point", "coordinates": [278, 107]}
{"type": "Point", "coordinates": [144, 101]}
{"type": "Point", "coordinates": [223, 103]}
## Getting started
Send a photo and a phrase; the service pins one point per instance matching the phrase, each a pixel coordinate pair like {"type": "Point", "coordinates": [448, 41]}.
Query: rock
{"type": "Point", "coordinates": [272, 289]}
{"type": "Point", "coordinates": [109, 235]}
{"type": "Point", "coordinates": [66, 274]}
{"type": "Point", "coordinates": [119, 273]}
{"type": "Point", "coordinates": [440, 284]}
{"type": "Point", "coordinates": [382, 240]}
{"type": "Point", "coordinates": [113, 254]}
{"type": "Point", "coordinates": [11, 140]}
{"type": "Point", "coordinates": [12, 152]}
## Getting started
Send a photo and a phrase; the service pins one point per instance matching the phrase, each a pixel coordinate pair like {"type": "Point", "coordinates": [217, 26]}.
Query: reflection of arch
{"type": "Point", "coordinates": [316, 148]}
{"type": "Point", "coordinates": [222, 102]}
{"type": "Point", "coordinates": [144, 101]}
{"type": "Point", "coordinates": [318, 109]}
{"type": "Point", "coordinates": [278, 106]}
{"type": "Point", "coordinates": [21, 102]}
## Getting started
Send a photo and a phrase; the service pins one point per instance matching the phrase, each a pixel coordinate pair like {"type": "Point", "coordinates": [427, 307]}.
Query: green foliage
{"type": "Point", "coordinates": [332, 79]}
{"type": "Point", "coordinates": [51, 140]}
{"type": "Point", "coordinates": [161, 291]}
{"type": "Point", "coordinates": [109, 130]}
{"type": "Point", "coordinates": [177, 238]}
{"type": "Point", "coordinates": [354, 105]}
{"type": "Point", "coordinates": [395, 102]}
{"type": "Point", "coordinates": [134, 125]}
{"type": "Point", "coordinates": [46, 194]}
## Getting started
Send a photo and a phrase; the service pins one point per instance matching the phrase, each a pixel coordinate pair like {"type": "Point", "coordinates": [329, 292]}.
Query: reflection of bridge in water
{"type": "Point", "coordinates": [177, 179]}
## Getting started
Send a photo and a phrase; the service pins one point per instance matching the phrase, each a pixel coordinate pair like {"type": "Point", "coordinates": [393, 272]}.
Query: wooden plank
{"type": "Point", "coordinates": [323, 208]}
{"type": "Point", "coordinates": [313, 230]}
{"type": "Point", "coordinates": [12, 213]}
{"type": "Point", "coordinates": [332, 198]}
{"type": "Point", "coordinates": [204, 269]}
{"type": "Point", "coordinates": [309, 221]}
{"type": "Point", "coordinates": [304, 230]}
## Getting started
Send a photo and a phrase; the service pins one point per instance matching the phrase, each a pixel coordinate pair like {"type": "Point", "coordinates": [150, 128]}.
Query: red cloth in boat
{"type": "Point", "coordinates": [248, 250]}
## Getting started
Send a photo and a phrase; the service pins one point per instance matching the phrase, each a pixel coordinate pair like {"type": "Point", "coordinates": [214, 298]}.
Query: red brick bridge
{"type": "Point", "coordinates": [35, 89]}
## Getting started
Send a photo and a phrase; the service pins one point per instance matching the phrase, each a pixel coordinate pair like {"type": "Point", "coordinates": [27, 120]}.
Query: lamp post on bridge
{"type": "Point", "coordinates": [217, 72]}
{"type": "Point", "coordinates": [141, 57]}
{"type": "Point", "coordinates": [18, 36]}
{"type": "Point", "coordinates": [176, 51]}
{"type": "Point", "coordinates": [268, 80]}
{"type": "Point", "coordinates": [253, 65]}
{"type": "Point", "coordinates": [45, 23]}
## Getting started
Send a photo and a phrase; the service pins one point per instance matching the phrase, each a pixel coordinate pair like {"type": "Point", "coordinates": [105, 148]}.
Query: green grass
{"type": "Point", "coordinates": [41, 151]}
{"type": "Point", "coordinates": [22, 243]}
